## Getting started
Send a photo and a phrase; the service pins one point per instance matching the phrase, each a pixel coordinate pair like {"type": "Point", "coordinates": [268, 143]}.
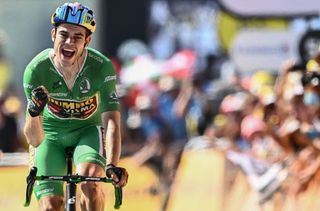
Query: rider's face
{"type": "Point", "coordinates": [69, 43]}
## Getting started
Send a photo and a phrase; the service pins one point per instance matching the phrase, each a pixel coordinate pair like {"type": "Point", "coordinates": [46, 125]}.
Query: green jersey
{"type": "Point", "coordinates": [68, 110]}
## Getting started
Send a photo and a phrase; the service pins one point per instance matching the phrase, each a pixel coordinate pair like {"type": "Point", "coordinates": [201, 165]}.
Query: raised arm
{"type": "Point", "coordinates": [33, 130]}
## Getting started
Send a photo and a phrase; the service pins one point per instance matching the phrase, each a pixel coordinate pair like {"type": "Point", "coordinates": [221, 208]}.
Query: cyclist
{"type": "Point", "coordinates": [71, 96]}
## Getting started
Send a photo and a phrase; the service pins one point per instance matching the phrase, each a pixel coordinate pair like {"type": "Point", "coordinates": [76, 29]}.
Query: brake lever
{"type": "Point", "coordinates": [31, 178]}
{"type": "Point", "coordinates": [118, 195]}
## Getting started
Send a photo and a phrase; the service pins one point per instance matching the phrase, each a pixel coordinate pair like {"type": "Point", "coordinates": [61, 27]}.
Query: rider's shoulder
{"type": "Point", "coordinates": [40, 58]}
{"type": "Point", "coordinates": [97, 56]}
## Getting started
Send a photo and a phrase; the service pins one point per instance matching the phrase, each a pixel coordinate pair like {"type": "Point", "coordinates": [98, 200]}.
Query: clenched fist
{"type": "Point", "coordinates": [39, 99]}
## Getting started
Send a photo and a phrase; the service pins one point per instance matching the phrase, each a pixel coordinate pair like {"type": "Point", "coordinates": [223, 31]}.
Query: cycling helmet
{"type": "Point", "coordinates": [74, 13]}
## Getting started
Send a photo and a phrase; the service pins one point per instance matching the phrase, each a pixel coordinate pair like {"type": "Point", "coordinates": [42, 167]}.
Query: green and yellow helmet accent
{"type": "Point", "coordinates": [74, 13]}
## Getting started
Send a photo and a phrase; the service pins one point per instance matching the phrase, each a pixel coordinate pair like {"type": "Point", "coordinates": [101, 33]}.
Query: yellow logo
{"type": "Point", "coordinates": [72, 109]}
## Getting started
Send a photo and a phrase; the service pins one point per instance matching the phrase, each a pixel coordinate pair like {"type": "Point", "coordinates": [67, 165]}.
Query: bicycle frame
{"type": "Point", "coordinates": [71, 184]}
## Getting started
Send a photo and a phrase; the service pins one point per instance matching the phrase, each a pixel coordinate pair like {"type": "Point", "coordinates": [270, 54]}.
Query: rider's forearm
{"type": "Point", "coordinates": [33, 130]}
{"type": "Point", "coordinates": [111, 122]}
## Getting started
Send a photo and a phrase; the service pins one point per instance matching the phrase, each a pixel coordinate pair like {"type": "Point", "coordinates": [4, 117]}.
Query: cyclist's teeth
{"type": "Point", "coordinates": [67, 53]}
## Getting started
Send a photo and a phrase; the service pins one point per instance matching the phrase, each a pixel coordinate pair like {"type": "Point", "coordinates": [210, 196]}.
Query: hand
{"type": "Point", "coordinates": [287, 66]}
{"type": "Point", "coordinates": [39, 99]}
{"type": "Point", "coordinates": [119, 175]}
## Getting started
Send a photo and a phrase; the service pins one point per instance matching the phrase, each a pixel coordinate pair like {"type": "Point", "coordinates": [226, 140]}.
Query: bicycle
{"type": "Point", "coordinates": [71, 183]}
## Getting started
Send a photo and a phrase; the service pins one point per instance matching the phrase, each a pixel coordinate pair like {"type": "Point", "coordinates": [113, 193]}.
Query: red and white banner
{"type": "Point", "coordinates": [144, 68]}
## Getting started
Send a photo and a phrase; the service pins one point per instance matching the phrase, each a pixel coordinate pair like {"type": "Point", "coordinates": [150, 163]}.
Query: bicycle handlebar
{"type": "Point", "coordinates": [71, 179]}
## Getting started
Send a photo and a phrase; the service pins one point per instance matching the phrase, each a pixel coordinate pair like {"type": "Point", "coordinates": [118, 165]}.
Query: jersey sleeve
{"type": "Point", "coordinates": [109, 97]}
{"type": "Point", "coordinates": [30, 80]}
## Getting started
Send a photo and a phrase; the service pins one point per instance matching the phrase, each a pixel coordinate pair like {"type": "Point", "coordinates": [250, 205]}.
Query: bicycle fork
{"type": "Point", "coordinates": [71, 198]}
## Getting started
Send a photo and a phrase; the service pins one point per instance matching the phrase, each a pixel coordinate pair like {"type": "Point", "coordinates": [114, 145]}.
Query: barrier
{"type": "Point", "coordinates": [207, 181]}
{"type": "Point", "coordinates": [199, 182]}
{"type": "Point", "coordinates": [141, 193]}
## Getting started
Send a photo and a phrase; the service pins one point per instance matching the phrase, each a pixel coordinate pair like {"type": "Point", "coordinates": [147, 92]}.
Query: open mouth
{"type": "Point", "coordinates": [67, 53]}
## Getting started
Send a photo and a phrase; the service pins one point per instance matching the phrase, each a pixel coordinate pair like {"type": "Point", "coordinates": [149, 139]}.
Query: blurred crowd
{"type": "Point", "coordinates": [11, 107]}
{"type": "Point", "coordinates": [267, 123]}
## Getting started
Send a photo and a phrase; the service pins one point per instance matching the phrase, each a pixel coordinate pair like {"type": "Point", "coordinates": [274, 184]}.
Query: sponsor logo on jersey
{"type": "Point", "coordinates": [109, 78]}
{"type": "Point", "coordinates": [44, 191]}
{"type": "Point", "coordinates": [114, 96]}
{"type": "Point", "coordinates": [56, 84]}
{"type": "Point", "coordinates": [95, 57]}
{"type": "Point", "coordinates": [27, 86]}
{"type": "Point", "coordinates": [59, 94]}
{"type": "Point", "coordinates": [72, 109]}
{"type": "Point", "coordinates": [85, 86]}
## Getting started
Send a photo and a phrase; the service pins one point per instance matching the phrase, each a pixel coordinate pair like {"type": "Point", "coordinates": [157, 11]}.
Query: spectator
{"type": "Point", "coordinates": [9, 141]}
{"type": "Point", "coordinates": [9, 134]}
{"type": "Point", "coordinates": [263, 162]}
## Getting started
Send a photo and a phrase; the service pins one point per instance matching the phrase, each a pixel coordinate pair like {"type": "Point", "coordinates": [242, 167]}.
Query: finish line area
{"type": "Point", "coordinates": [141, 193]}
{"type": "Point", "coordinates": [205, 181]}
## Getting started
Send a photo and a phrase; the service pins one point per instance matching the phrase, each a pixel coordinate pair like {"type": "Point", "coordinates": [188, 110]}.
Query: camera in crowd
{"type": "Point", "coordinates": [311, 78]}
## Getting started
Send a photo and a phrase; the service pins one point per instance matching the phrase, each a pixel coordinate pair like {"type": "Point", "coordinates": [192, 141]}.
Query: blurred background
{"type": "Point", "coordinates": [220, 100]}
